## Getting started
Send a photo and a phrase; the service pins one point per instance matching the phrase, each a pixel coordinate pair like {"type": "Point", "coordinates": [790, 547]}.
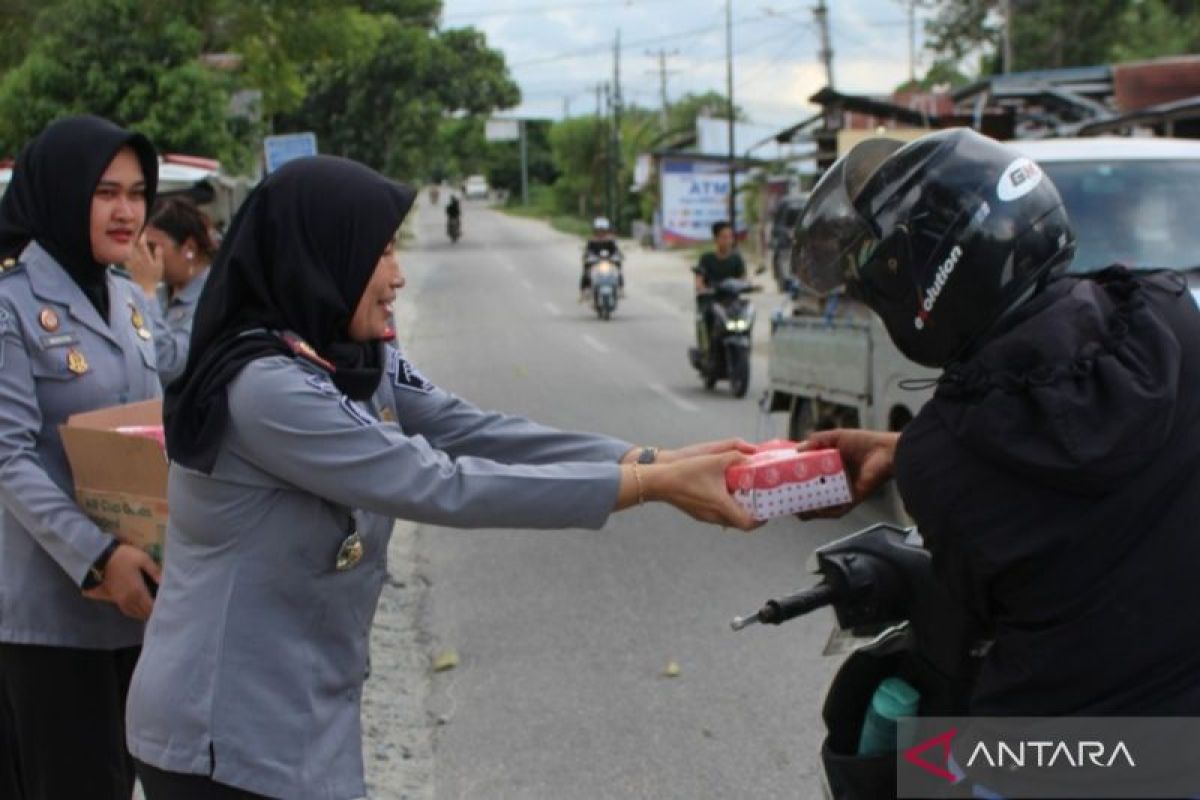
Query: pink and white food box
{"type": "Point", "coordinates": [776, 481]}
{"type": "Point", "coordinates": [154, 432]}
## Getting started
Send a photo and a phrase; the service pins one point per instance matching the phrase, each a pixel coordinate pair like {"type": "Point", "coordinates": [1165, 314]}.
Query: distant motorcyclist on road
{"type": "Point", "coordinates": [715, 266]}
{"type": "Point", "coordinates": [453, 218]}
{"type": "Point", "coordinates": [1055, 473]}
{"type": "Point", "coordinates": [602, 246]}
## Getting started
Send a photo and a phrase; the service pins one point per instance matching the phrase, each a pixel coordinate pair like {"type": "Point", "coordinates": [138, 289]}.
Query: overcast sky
{"type": "Point", "coordinates": [558, 50]}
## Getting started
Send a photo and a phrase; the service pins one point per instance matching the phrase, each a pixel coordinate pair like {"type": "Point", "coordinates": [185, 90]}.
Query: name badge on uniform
{"type": "Point", "coordinates": [350, 553]}
{"type": "Point", "coordinates": [52, 340]}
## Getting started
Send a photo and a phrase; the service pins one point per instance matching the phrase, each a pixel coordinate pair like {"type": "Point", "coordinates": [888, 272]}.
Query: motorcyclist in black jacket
{"type": "Point", "coordinates": [1055, 473]}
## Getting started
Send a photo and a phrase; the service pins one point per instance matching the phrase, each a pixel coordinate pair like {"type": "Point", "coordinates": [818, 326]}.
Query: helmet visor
{"type": "Point", "coordinates": [833, 240]}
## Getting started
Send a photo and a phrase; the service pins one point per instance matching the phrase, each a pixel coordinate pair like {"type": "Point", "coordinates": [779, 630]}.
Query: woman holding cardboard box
{"type": "Point", "coordinates": [297, 434]}
{"type": "Point", "coordinates": [72, 339]}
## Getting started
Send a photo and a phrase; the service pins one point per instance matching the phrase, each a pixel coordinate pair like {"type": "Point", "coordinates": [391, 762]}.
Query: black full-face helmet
{"type": "Point", "coordinates": [939, 237]}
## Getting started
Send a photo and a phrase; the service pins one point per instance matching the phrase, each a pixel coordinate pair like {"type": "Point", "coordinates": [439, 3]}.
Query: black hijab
{"type": "Point", "coordinates": [50, 197]}
{"type": "Point", "coordinates": [298, 257]}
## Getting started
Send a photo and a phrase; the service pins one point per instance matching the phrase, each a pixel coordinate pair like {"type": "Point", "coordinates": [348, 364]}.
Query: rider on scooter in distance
{"type": "Point", "coordinates": [1055, 473]}
{"type": "Point", "coordinates": [602, 246]}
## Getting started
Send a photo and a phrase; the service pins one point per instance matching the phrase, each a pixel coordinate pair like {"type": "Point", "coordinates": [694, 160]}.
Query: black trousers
{"type": "Point", "coordinates": [161, 785]}
{"type": "Point", "coordinates": [62, 722]}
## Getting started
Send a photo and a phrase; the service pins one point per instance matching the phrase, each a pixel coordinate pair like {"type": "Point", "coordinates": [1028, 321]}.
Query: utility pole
{"type": "Point", "coordinates": [614, 206]}
{"type": "Point", "coordinates": [566, 106]}
{"type": "Point", "coordinates": [663, 72]}
{"type": "Point", "coordinates": [608, 154]}
{"type": "Point", "coordinates": [729, 91]}
{"type": "Point", "coordinates": [524, 165]}
{"type": "Point", "coordinates": [1006, 10]}
{"type": "Point", "coordinates": [821, 12]}
{"type": "Point", "coordinates": [912, 41]}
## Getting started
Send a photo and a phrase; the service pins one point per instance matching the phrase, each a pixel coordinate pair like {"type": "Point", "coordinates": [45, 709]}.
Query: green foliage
{"type": "Point", "coordinates": [374, 79]}
{"type": "Point", "coordinates": [147, 79]}
{"type": "Point", "coordinates": [384, 105]}
{"type": "Point", "coordinates": [1155, 28]}
{"type": "Point", "coordinates": [1048, 34]}
{"type": "Point", "coordinates": [682, 114]}
{"type": "Point", "coordinates": [579, 147]}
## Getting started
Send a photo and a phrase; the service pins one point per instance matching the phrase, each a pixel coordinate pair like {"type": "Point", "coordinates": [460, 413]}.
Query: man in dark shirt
{"type": "Point", "coordinates": [714, 267]}
{"type": "Point", "coordinates": [725, 262]}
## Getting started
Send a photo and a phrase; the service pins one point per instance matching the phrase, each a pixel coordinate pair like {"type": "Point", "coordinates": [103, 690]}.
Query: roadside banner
{"type": "Point", "coordinates": [278, 150]}
{"type": "Point", "coordinates": [695, 194]}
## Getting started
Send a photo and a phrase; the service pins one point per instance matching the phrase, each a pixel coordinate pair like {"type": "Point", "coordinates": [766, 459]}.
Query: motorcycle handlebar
{"type": "Point", "coordinates": [776, 612]}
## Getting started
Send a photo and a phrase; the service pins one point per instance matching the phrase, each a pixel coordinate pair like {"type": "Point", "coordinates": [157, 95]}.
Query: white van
{"type": "Point", "coordinates": [476, 186]}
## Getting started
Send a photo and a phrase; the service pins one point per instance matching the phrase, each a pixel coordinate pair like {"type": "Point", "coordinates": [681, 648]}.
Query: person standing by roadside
{"type": "Point", "coordinates": [298, 434]}
{"type": "Point", "coordinates": [170, 263]}
{"type": "Point", "coordinates": [73, 338]}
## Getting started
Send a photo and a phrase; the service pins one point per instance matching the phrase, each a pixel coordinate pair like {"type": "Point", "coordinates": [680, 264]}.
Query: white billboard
{"type": "Point", "coordinates": [695, 194]}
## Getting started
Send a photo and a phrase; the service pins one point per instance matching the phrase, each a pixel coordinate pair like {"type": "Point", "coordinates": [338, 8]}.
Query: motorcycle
{"type": "Point", "coordinates": [723, 351]}
{"type": "Point", "coordinates": [605, 278]}
{"type": "Point", "coordinates": [881, 584]}
{"type": "Point", "coordinates": [454, 228]}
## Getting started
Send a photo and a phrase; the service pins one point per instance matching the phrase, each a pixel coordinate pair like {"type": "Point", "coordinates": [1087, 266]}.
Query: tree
{"type": "Point", "coordinates": [1155, 28]}
{"type": "Point", "coordinates": [146, 78]}
{"type": "Point", "coordinates": [383, 105]}
{"type": "Point", "coordinates": [1063, 33]}
{"type": "Point", "coordinates": [579, 147]}
{"type": "Point", "coordinates": [682, 114]}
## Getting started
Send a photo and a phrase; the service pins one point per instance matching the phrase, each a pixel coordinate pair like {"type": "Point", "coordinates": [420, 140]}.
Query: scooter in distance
{"type": "Point", "coordinates": [881, 584]}
{"type": "Point", "coordinates": [723, 345]}
{"type": "Point", "coordinates": [605, 277]}
{"type": "Point", "coordinates": [454, 228]}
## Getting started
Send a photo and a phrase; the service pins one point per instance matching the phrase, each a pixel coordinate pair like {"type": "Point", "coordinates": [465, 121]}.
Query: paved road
{"type": "Point", "coordinates": [564, 636]}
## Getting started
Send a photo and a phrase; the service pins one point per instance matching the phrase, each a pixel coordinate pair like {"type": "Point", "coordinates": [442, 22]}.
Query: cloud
{"type": "Point", "coordinates": [560, 49]}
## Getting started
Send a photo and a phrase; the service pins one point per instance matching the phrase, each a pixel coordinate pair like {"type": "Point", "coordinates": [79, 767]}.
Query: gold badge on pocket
{"type": "Point", "coordinates": [76, 362]}
{"type": "Point", "coordinates": [350, 553]}
{"type": "Point", "coordinates": [139, 322]}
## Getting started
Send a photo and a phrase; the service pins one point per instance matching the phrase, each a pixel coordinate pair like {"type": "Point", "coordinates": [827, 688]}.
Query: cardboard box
{"type": "Point", "coordinates": [777, 480]}
{"type": "Point", "coordinates": [121, 478]}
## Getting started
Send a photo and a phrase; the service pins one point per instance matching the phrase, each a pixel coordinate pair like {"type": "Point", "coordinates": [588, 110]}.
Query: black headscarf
{"type": "Point", "coordinates": [298, 257]}
{"type": "Point", "coordinates": [50, 197]}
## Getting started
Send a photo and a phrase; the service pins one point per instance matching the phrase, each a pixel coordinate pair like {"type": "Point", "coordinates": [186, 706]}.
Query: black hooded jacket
{"type": "Point", "coordinates": [1055, 476]}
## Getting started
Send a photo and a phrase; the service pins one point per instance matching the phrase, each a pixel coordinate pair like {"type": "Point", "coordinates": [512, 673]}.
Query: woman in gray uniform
{"type": "Point", "coordinates": [73, 338]}
{"type": "Point", "coordinates": [298, 433]}
{"type": "Point", "coordinates": [170, 263]}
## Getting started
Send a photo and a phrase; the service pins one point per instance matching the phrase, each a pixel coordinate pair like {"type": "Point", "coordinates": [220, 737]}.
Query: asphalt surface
{"type": "Point", "coordinates": [564, 637]}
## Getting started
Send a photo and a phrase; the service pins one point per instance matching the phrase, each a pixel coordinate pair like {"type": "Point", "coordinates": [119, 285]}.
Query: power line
{"type": "Point", "coordinates": [577, 53]}
{"type": "Point", "coordinates": [545, 7]}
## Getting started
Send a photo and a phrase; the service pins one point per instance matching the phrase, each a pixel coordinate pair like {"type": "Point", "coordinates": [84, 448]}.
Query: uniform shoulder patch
{"type": "Point", "coordinates": [405, 376]}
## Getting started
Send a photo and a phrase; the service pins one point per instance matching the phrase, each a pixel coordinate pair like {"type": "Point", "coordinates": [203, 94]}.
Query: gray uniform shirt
{"type": "Point", "coordinates": [171, 321]}
{"type": "Point", "coordinates": [46, 542]}
{"type": "Point", "coordinates": [257, 650]}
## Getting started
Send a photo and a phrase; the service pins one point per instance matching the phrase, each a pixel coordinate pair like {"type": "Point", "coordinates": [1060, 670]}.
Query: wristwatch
{"type": "Point", "coordinates": [95, 573]}
{"type": "Point", "coordinates": [648, 455]}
